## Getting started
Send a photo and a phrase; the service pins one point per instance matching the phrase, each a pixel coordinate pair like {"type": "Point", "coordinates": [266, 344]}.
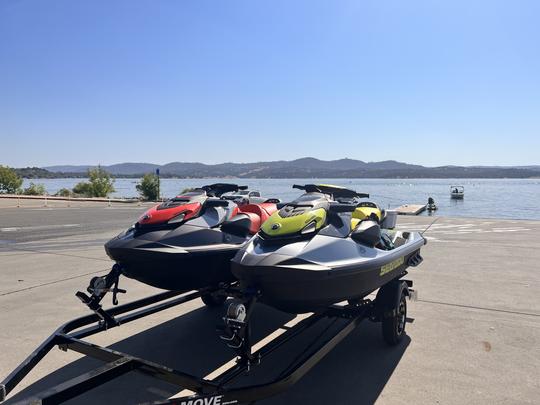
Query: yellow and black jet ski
{"type": "Point", "coordinates": [322, 248]}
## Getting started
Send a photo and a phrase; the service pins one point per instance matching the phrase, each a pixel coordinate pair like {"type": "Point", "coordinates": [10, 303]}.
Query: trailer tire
{"type": "Point", "coordinates": [213, 299]}
{"type": "Point", "coordinates": [393, 326]}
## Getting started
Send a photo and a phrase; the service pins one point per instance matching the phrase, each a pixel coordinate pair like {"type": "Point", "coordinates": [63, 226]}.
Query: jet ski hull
{"type": "Point", "coordinates": [185, 258]}
{"type": "Point", "coordinates": [184, 271]}
{"type": "Point", "coordinates": [305, 284]}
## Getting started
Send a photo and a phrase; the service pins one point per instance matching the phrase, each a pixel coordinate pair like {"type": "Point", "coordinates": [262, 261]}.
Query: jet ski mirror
{"type": "Point", "coordinates": [240, 225]}
{"type": "Point", "coordinates": [367, 233]}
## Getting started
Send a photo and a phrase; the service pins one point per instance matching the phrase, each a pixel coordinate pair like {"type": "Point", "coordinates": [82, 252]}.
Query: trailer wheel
{"type": "Point", "coordinates": [213, 299]}
{"type": "Point", "coordinates": [393, 327]}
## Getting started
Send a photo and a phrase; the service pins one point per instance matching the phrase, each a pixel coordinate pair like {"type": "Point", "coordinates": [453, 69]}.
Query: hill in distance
{"type": "Point", "coordinates": [307, 167]}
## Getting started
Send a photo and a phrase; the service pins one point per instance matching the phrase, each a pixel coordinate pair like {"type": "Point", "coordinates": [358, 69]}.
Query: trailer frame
{"type": "Point", "coordinates": [216, 391]}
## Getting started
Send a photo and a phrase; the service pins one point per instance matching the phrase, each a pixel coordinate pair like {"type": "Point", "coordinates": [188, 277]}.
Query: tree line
{"type": "Point", "coordinates": [100, 184]}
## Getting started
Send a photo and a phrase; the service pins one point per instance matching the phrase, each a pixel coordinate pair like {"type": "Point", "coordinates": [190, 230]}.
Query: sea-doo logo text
{"type": "Point", "coordinates": [205, 401]}
{"type": "Point", "coordinates": [387, 268]}
{"type": "Point", "coordinates": [276, 226]}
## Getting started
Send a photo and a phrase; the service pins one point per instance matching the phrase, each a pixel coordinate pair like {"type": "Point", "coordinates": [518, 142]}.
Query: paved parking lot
{"type": "Point", "coordinates": [475, 336]}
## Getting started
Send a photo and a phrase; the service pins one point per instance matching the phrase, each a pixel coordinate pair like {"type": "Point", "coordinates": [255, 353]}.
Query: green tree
{"type": "Point", "coordinates": [35, 189]}
{"type": "Point", "coordinates": [101, 181]}
{"type": "Point", "coordinates": [100, 184]}
{"type": "Point", "coordinates": [10, 182]}
{"type": "Point", "coordinates": [63, 192]}
{"type": "Point", "coordinates": [148, 188]}
{"type": "Point", "coordinates": [83, 189]}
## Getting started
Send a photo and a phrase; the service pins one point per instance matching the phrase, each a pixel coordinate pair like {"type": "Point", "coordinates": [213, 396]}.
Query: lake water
{"type": "Point", "coordinates": [484, 198]}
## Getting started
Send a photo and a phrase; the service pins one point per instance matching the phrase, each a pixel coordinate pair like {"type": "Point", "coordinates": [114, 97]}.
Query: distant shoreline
{"type": "Point", "coordinates": [83, 176]}
{"type": "Point", "coordinates": [303, 168]}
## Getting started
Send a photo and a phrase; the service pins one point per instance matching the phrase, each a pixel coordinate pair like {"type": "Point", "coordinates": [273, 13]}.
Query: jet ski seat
{"type": "Point", "coordinates": [257, 213]}
{"type": "Point", "coordinates": [367, 232]}
{"type": "Point", "coordinates": [263, 210]}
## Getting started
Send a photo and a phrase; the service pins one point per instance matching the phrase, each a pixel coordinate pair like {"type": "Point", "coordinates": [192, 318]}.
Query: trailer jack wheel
{"type": "Point", "coordinates": [393, 323]}
{"type": "Point", "coordinates": [236, 331]}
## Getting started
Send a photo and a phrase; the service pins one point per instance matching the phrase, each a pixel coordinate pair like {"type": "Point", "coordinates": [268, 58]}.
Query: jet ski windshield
{"type": "Point", "coordinates": [308, 198]}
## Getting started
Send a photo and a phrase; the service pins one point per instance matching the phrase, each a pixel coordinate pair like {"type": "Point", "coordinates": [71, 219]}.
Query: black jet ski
{"type": "Point", "coordinates": [323, 248]}
{"type": "Point", "coordinates": [187, 242]}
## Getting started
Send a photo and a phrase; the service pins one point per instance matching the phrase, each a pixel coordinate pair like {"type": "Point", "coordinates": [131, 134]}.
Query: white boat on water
{"type": "Point", "coordinates": [457, 192]}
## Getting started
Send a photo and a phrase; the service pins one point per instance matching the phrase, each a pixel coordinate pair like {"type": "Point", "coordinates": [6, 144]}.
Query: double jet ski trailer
{"type": "Point", "coordinates": [389, 308]}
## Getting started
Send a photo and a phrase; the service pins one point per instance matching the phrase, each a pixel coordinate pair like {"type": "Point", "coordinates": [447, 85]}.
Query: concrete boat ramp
{"type": "Point", "coordinates": [475, 338]}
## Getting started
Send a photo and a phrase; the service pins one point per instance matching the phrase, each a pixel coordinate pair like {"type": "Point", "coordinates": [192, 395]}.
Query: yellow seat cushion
{"type": "Point", "coordinates": [361, 213]}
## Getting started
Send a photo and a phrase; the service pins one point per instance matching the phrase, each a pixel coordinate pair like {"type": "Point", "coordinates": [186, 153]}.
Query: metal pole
{"type": "Point", "coordinates": [158, 183]}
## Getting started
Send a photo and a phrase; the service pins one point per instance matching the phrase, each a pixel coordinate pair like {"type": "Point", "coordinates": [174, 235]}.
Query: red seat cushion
{"type": "Point", "coordinates": [255, 224]}
{"type": "Point", "coordinates": [260, 211]}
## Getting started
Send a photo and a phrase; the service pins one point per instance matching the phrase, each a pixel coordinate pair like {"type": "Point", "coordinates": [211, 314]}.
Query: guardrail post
{"type": "Point", "coordinates": [45, 201]}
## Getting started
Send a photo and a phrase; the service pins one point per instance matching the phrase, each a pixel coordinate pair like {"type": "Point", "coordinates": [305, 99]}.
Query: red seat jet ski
{"type": "Point", "coordinates": [187, 242]}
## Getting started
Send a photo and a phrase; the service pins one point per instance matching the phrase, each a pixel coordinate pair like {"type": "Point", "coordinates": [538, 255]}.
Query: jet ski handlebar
{"type": "Point", "coordinates": [218, 189]}
{"type": "Point", "coordinates": [335, 191]}
{"type": "Point", "coordinates": [216, 203]}
{"type": "Point", "coordinates": [339, 207]}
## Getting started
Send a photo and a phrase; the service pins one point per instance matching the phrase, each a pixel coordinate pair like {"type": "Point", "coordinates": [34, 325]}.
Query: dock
{"type": "Point", "coordinates": [410, 209]}
{"type": "Point", "coordinates": [474, 339]}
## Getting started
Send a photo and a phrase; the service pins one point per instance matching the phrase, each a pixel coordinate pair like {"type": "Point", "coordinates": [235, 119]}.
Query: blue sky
{"type": "Point", "coordinates": [427, 82]}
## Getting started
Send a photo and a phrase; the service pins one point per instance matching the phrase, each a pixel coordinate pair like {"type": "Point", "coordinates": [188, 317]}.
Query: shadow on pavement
{"type": "Point", "coordinates": [356, 371]}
